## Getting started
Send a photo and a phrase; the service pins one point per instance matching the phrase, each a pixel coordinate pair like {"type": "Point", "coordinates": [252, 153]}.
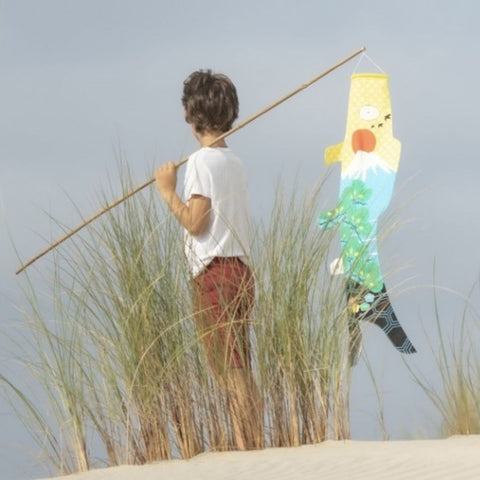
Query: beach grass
{"type": "Point", "coordinates": [120, 366]}
{"type": "Point", "coordinates": [455, 393]}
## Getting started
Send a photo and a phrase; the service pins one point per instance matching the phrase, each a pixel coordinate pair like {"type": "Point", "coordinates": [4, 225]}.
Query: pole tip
{"type": "Point", "coordinates": [20, 269]}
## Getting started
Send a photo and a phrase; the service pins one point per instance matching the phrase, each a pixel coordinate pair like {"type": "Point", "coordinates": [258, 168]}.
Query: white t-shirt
{"type": "Point", "coordinates": [218, 174]}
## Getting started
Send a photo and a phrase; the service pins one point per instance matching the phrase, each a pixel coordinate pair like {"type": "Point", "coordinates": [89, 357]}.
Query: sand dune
{"type": "Point", "coordinates": [455, 458]}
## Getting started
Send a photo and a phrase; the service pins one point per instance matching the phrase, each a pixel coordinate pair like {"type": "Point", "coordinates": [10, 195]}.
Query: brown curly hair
{"type": "Point", "coordinates": [210, 101]}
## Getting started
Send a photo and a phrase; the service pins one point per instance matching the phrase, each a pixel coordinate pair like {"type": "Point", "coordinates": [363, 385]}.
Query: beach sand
{"type": "Point", "coordinates": [455, 458]}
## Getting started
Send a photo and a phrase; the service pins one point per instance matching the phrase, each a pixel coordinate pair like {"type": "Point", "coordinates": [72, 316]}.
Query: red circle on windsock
{"type": "Point", "coordinates": [363, 140]}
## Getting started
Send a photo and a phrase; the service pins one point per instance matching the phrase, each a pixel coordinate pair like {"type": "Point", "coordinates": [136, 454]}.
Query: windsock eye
{"type": "Point", "coordinates": [369, 112]}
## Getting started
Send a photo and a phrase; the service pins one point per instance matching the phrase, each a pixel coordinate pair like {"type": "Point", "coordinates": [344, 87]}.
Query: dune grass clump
{"type": "Point", "coordinates": [457, 358]}
{"type": "Point", "coordinates": [114, 349]}
{"type": "Point", "coordinates": [301, 327]}
{"type": "Point", "coordinates": [121, 370]}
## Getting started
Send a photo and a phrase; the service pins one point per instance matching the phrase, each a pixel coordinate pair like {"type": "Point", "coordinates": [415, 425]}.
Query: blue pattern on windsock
{"type": "Point", "coordinates": [381, 313]}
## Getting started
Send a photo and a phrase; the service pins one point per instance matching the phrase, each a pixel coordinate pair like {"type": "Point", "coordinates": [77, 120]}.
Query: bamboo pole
{"type": "Point", "coordinates": [184, 160]}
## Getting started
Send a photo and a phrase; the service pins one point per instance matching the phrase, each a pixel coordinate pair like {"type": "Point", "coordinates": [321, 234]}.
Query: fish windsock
{"type": "Point", "coordinates": [369, 158]}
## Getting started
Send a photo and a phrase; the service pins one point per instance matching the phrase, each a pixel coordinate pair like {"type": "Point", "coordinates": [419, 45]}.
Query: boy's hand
{"type": "Point", "coordinates": [166, 179]}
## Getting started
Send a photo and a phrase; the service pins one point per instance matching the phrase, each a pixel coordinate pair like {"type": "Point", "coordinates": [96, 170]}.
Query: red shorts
{"type": "Point", "coordinates": [224, 294]}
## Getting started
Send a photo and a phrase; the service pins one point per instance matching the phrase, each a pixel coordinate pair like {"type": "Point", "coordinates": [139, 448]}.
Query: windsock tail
{"type": "Point", "coordinates": [381, 313]}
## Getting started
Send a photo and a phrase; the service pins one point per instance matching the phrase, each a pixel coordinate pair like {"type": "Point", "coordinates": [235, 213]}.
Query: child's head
{"type": "Point", "coordinates": [210, 101]}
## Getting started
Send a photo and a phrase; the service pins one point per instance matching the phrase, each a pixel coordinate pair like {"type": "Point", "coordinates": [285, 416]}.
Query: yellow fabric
{"type": "Point", "coordinates": [368, 90]}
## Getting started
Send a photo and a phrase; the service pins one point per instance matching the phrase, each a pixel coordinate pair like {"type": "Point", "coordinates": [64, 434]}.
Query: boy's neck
{"type": "Point", "coordinates": [206, 139]}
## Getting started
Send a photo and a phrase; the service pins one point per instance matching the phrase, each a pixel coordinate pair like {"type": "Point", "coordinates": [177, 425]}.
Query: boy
{"type": "Point", "coordinates": [215, 219]}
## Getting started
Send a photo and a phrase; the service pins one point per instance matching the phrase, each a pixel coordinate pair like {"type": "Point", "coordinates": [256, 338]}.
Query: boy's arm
{"type": "Point", "coordinates": [193, 215]}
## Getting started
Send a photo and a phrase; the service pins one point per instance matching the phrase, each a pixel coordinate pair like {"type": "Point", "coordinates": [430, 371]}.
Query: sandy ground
{"type": "Point", "coordinates": [454, 458]}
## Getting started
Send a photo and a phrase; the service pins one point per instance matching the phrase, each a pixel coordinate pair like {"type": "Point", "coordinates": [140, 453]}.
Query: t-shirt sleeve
{"type": "Point", "coordinates": [197, 177]}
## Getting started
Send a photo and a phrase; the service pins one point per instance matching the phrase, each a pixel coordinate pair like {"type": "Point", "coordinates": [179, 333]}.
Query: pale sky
{"type": "Point", "coordinates": [78, 78]}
